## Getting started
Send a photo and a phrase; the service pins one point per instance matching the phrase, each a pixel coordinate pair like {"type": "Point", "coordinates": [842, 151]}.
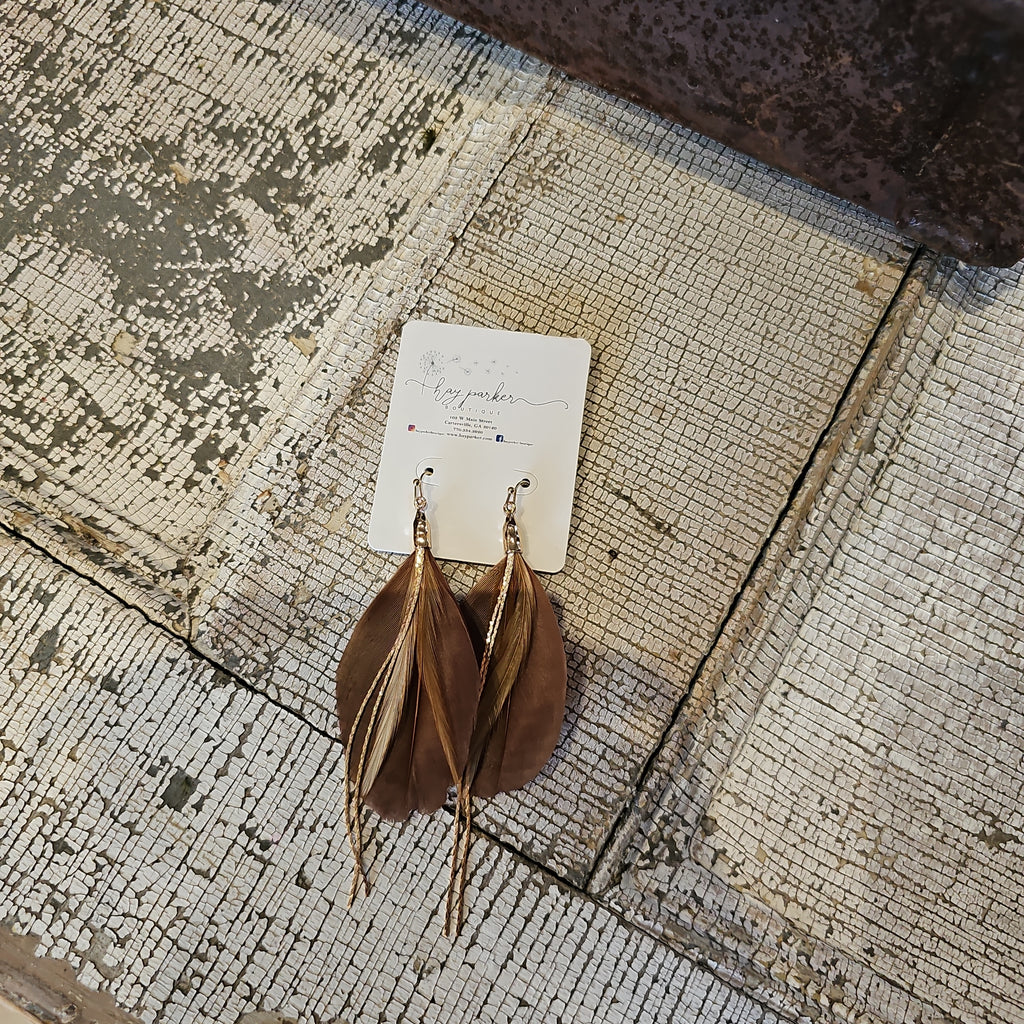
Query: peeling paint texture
{"type": "Point", "coordinates": [786, 788]}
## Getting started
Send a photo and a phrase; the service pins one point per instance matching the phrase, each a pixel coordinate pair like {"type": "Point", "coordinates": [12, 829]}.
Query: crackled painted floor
{"type": "Point", "coordinates": [787, 787]}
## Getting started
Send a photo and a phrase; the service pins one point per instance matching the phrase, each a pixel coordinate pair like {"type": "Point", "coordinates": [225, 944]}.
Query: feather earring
{"type": "Point", "coordinates": [522, 692]}
{"type": "Point", "coordinates": [407, 692]}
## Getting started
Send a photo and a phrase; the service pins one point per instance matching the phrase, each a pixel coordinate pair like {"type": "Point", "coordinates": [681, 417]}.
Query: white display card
{"type": "Point", "coordinates": [483, 409]}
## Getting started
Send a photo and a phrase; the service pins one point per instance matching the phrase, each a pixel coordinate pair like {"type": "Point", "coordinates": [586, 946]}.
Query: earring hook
{"type": "Point", "coordinates": [512, 540]}
{"type": "Point", "coordinates": [417, 489]}
{"type": "Point", "coordinates": [510, 500]}
{"type": "Point", "coordinates": [420, 526]}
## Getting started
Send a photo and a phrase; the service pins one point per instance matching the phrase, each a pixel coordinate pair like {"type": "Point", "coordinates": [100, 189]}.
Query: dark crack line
{"type": "Point", "coordinates": [185, 642]}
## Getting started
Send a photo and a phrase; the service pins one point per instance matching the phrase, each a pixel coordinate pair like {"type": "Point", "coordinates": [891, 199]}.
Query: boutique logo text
{"type": "Point", "coordinates": [452, 397]}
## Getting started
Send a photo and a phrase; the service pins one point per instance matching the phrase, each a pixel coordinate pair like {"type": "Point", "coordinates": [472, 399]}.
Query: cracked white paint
{"type": "Point", "coordinates": [712, 378]}
{"type": "Point", "coordinates": [195, 202]}
{"type": "Point", "coordinates": [270, 148]}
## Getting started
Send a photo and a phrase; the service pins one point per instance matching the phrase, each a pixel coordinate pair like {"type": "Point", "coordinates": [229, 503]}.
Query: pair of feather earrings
{"type": "Point", "coordinates": [431, 695]}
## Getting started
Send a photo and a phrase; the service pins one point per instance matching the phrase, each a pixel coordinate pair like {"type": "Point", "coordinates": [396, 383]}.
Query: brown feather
{"type": "Point", "coordinates": [416, 693]}
{"type": "Point", "coordinates": [522, 700]}
{"type": "Point", "coordinates": [388, 707]}
{"type": "Point", "coordinates": [523, 695]}
{"type": "Point", "coordinates": [478, 605]}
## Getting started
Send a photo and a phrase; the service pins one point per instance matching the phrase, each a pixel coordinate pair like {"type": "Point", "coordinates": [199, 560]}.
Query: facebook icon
{"type": "Point", "coordinates": [499, 437]}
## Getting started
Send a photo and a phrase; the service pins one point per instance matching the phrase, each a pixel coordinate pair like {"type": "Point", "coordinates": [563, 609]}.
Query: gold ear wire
{"type": "Point", "coordinates": [511, 536]}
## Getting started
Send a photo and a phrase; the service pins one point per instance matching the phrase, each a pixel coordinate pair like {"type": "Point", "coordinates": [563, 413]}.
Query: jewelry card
{"type": "Point", "coordinates": [485, 410]}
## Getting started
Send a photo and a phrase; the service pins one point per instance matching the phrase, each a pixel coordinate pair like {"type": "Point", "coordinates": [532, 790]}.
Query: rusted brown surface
{"type": "Point", "coordinates": [48, 990]}
{"type": "Point", "coordinates": [913, 111]}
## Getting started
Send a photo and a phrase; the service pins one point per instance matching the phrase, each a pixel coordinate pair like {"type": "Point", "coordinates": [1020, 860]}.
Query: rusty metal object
{"type": "Point", "coordinates": [914, 111]}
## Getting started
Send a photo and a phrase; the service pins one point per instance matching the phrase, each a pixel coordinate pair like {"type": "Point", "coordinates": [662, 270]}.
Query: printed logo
{"type": "Point", "coordinates": [412, 426]}
{"type": "Point", "coordinates": [499, 437]}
